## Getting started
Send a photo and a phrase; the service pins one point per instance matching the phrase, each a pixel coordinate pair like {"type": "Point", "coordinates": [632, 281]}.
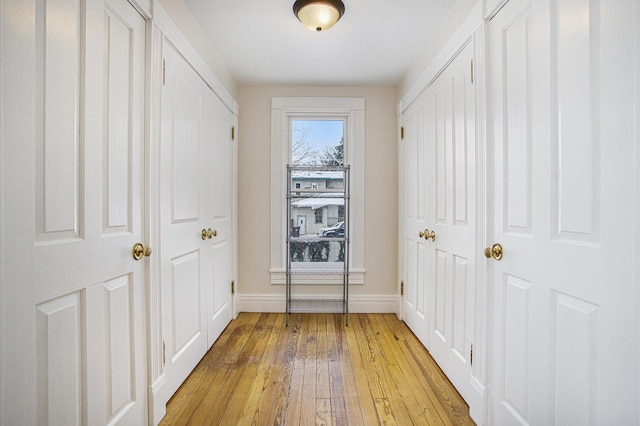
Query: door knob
{"type": "Point", "coordinates": [494, 251]}
{"type": "Point", "coordinates": [139, 251]}
{"type": "Point", "coordinates": [204, 234]}
{"type": "Point", "coordinates": [431, 235]}
{"type": "Point", "coordinates": [427, 234]}
{"type": "Point", "coordinates": [212, 233]}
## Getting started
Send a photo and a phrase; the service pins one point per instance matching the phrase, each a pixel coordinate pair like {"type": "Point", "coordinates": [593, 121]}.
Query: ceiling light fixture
{"type": "Point", "coordinates": [318, 15]}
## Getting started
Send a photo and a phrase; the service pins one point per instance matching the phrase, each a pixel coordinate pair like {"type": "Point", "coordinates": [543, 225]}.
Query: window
{"type": "Point", "coordinates": [319, 215]}
{"type": "Point", "coordinates": [350, 113]}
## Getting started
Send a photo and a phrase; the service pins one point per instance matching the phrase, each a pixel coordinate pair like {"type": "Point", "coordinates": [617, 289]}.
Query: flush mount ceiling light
{"type": "Point", "coordinates": [318, 15]}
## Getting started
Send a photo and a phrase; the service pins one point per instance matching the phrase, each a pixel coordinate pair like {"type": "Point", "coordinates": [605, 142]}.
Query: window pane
{"type": "Point", "coordinates": [317, 142]}
{"type": "Point", "coordinates": [317, 251]}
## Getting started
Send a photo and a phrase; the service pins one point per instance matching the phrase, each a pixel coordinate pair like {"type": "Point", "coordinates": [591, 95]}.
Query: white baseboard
{"type": "Point", "coordinates": [157, 400]}
{"type": "Point", "coordinates": [372, 304]}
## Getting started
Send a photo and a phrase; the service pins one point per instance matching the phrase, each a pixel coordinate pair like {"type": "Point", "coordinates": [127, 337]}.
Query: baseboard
{"type": "Point", "coordinates": [157, 400]}
{"type": "Point", "coordinates": [370, 304]}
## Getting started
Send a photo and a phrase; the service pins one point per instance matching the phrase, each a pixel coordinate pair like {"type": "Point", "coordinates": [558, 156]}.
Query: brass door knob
{"type": "Point", "coordinates": [494, 251]}
{"type": "Point", "coordinates": [139, 251]}
{"type": "Point", "coordinates": [427, 234]}
{"type": "Point", "coordinates": [204, 234]}
{"type": "Point", "coordinates": [212, 233]}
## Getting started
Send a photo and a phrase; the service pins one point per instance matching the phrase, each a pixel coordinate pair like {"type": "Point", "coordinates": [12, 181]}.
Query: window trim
{"type": "Point", "coordinates": [351, 110]}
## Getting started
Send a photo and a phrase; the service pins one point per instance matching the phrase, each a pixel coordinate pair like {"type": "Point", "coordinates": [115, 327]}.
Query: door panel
{"type": "Point", "coordinates": [560, 212]}
{"type": "Point", "coordinates": [450, 141]}
{"type": "Point", "coordinates": [196, 158]}
{"type": "Point", "coordinates": [184, 273]}
{"type": "Point", "coordinates": [75, 350]}
{"type": "Point", "coordinates": [416, 257]}
{"type": "Point", "coordinates": [219, 152]}
{"type": "Point", "coordinates": [59, 334]}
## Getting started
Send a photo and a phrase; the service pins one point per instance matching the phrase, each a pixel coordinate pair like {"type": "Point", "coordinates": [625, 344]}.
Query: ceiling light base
{"type": "Point", "coordinates": [318, 15]}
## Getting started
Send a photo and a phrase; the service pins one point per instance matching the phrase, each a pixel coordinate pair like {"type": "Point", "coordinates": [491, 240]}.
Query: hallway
{"type": "Point", "coordinates": [316, 371]}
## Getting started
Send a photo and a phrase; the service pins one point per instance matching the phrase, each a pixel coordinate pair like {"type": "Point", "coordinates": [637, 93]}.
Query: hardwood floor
{"type": "Point", "coordinates": [317, 372]}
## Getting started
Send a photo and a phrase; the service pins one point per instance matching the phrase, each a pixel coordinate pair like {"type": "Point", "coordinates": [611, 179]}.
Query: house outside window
{"type": "Point", "coordinates": [319, 215]}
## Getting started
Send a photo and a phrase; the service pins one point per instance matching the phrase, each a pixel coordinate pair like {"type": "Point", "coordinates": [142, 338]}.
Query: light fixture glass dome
{"type": "Point", "coordinates": [319, 15]}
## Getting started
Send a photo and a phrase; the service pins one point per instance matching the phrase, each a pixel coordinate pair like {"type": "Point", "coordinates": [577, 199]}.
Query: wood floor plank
{"type": "Point", "coordinates": [210, 370]}
{"type": "Point", "coordinates": [408, 385]}
{"type": "Point", "coordinates": [363, 389]}
{"type": "Point", "coordinates": [272, 405]}
{"type": "Point", "coordinates": [322, 383]}
{"type": "Point", "coordinates": [308, 409]}
{"type": "Point", "coordinates": [448, 405]}
{"type": "Point", "coordinates": [317, 371]}
{"type": "Point", "coordinates": [294, 397]}
{"type": "Point", "coordinates": [382, 361]}
{"type": "Point", "coordinates": [353, 409]}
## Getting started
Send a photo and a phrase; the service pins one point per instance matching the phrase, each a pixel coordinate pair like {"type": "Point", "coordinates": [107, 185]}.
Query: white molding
{"type": "Point", "coordinates": [492, 7]}
{"type": "Point", "coordinates": [478, 411]}
{"type": "Point", "coordinates": [155, 368]}
{"type": "Point", "coordinates": [157, 400]}
{"type": "Point", "coordinates": [177, 39]}
{"type": "Point", "coordinates": [143, 7]}
{"type": "Point", "coordinates": [352, 110]}
{"type": "Point", "coordinates": [370, 304]}
{"type": "Point", "coordinates": [458, 41]}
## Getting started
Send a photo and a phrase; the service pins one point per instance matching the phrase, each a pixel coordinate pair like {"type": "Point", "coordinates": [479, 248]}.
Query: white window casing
{"type": "Point", "coordinates": [351, 110]}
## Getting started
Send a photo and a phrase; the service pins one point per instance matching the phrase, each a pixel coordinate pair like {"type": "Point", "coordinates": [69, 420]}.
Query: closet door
{"type": "Point", "coordinates": [218, 198]}
{"type": "Point", "coordinates": [196, 264]}
{"type": "Point", "coordinates": [73, 131]}
{"type": "Point", "coordinates": [186, 272]}
{"type": "Point", "coordinates": [414, 198]}
{"type": "Point", "coordinates": [562, 90]}
{"type": "Point", "coordinates": [451, 166]}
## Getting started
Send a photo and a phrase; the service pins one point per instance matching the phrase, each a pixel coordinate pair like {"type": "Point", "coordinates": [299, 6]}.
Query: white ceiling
{"type": "Point", "coordinates": [374, 43]}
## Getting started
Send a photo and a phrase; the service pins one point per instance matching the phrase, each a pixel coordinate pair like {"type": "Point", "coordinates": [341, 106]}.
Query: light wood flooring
{"type": "Point", "coordinates": [316, 371]}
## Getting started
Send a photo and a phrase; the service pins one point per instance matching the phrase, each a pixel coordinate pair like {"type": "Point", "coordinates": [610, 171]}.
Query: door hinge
{"type": "Point", "coordinates": [402, 132]}
{"type": "Point", "coordinates": [233, 288]}
{"type": "Point", "coordinates": [471, 355]}
{"type": "Point", "coordinates": [401, 288]}
{"type": "Point", "coordinates": [164, 71]}
{"type": "Point", "coordinates": [164, 352]}
{"type": "Point", "coordinates": [233, 133]}
{"type": "Point", "coordinates": [472, 71]}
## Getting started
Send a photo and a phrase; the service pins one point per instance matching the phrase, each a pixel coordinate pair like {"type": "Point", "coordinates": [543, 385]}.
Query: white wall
{"type": "Point", "coordinates": [451, 22]}
{"type": "Point", "coordinates": [186, 22]}
{"type": "Point", "coordinates": [254, 163]}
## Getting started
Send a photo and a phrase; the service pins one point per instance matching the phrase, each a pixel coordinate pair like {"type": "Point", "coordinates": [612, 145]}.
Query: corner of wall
{"type": "Point", "coordinates": [460, 10]}
{"type": "Point", "coordinates": [181, 15]}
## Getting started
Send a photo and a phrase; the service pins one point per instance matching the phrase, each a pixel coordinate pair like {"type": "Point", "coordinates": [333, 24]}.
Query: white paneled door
{"type": "Point", "coordinates": [195, 217]}
{"type": "Point", "coordinates": [438, 155]}
{"type": "Point", "coordinates": [562, 87]}
{"type": "Point", "coordinates": [73, 140]}
{"type": "Point", "coordinates": [414, 206]}
{"type": "Point", "coordinates": [219, 154]}
{"type": "Point", "coordinates": [451, 238]}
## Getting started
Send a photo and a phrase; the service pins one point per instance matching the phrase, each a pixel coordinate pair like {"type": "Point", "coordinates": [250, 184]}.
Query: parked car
{"type": "Point", "coordinates": [336, 230]}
